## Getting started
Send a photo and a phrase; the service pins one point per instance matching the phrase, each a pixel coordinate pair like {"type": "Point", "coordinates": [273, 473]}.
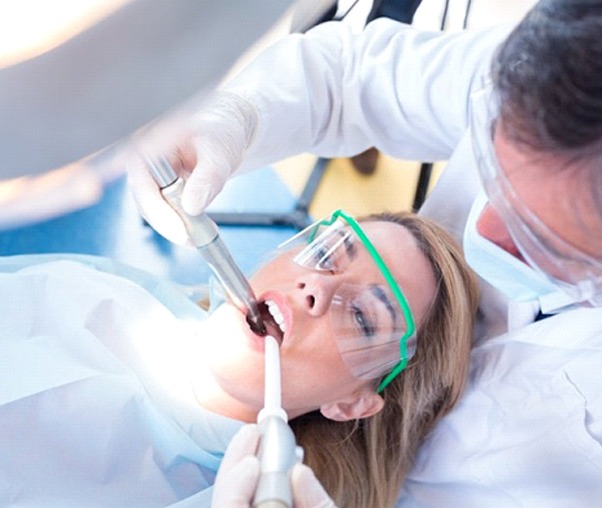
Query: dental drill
{"type": "Point", "coordinates": [278, 451]}
{"type": "Point", "coordinates": [204, 235]}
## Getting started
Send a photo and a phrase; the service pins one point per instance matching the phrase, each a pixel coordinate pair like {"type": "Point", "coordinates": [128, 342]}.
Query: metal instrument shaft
{"type": "Point", "coordinates": [204, 234]}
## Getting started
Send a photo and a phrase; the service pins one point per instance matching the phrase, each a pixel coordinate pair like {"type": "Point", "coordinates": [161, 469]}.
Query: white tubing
{"type": "Point", "coordinates": [272, 396]}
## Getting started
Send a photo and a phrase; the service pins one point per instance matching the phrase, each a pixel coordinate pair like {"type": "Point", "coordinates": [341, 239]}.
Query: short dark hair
{"type": "Point", "coordinates": [548, 74]}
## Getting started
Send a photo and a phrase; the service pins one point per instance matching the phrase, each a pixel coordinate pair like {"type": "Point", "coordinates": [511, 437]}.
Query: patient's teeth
{"type": "Point", "coordinates": [276, 314]}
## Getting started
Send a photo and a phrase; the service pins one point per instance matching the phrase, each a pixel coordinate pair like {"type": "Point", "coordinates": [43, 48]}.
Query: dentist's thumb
{"type": "Point", "coordinates": [151, 205]}
{"type": "Point", "coordinates": [223, 132]}
{"type": "Point", "coordinates": [203, 185]}
{"type": "Point", "coordinates": [307, 490]}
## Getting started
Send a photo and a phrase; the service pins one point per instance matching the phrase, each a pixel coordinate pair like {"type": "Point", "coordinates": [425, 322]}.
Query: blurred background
{"type": "Point", "coordinates": [78, 77]}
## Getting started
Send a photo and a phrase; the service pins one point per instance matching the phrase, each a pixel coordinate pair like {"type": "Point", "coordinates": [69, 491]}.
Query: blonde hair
{"type": "Point", "coordinates": [363, 463]}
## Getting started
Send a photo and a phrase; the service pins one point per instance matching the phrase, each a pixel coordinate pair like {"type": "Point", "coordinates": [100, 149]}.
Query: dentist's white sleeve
{"type": "Point", "coordinates": [334, 93]}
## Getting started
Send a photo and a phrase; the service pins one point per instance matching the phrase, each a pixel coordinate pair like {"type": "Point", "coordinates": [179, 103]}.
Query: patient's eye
{"type": "Point", "coordinates": [324, 258]}
{"type": "Point", "coordinates": [370, 312]}
{"type": "Point", "coordinates": [362, 320]}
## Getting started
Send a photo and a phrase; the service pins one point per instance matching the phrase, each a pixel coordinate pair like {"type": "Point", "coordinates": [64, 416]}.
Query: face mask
{"type": "Point", "coordinates": [514, 278]}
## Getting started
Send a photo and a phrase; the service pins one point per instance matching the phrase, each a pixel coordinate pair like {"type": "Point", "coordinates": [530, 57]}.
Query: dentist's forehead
{"type": "Point", "coordinates": [409, 266]}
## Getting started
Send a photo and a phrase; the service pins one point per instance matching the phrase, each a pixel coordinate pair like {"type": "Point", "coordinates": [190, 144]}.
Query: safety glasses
{"type": "Point", "coordinates": [570, 269]}
{"type": "Point", "coordinates": [370, 315]}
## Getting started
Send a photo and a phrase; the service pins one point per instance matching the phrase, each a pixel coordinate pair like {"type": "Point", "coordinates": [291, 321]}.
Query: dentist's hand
{"type": "Point", "coordinates": [239, 472]}
{"type": "Point", "coordinates": [238, 475]}
{"type": "Point", "coordinates": [206, 156]}
{"type": "Point", "coordinates": [307, 490]}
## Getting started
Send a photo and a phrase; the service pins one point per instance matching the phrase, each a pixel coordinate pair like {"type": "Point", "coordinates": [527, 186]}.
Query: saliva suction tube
{"type": "Point", "coordinates": [278, 451]}
{"type": "Point", "coordinates": [204, 234]}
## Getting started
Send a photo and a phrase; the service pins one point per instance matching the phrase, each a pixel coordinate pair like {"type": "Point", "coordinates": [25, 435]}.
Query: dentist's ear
{"type": "Point", "coordinates": [361, 404]}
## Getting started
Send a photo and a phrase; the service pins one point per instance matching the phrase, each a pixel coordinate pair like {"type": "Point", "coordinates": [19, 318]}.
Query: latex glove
{"type": "Point", "coordinates": [205, 152]}
{"type": "Point", "coordinates": [307, 490]}
{"type": "Point", "coordinates": [237, 477]}
{"type": "Point", "coordinates": [238, 474]}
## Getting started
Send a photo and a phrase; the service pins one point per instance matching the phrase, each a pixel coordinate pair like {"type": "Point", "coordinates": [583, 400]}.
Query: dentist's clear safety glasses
{"type": "Point", "coordinates": [575, 272]}
{"type": "Point", "coordinates": [370, 315]}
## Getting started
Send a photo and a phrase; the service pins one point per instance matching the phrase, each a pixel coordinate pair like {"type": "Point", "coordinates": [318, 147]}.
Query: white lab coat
{"type": "Point", "coordinates": [528, 431]}
{"type": "Point", "coordinates": [92, 413]}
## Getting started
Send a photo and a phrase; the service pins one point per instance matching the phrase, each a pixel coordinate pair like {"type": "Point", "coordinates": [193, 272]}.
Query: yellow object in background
{"type": "Point", "coordinates": [391, 188]}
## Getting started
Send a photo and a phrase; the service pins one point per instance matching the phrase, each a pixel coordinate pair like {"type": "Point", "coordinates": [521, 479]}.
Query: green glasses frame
{"type": "Point", "coordinates": [399, 296]}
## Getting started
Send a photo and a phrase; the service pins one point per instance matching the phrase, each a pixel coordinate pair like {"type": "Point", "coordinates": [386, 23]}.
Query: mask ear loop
{"type": "Point", "coordinates": [399, 296]}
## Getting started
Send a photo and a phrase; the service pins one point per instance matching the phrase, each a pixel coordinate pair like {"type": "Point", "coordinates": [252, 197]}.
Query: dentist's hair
{"type": "Point", "coordinates": [548, 74]}
{"type": "Point", "coordinates": [363, 463]}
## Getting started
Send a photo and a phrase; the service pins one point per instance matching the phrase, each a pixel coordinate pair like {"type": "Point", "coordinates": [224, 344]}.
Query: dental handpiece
{"type": "Point", "coordinates": [204, 234]}
{"type": "Point", "coordinates": [278, 451]}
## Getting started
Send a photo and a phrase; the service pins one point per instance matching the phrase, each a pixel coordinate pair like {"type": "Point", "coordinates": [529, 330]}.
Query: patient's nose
{"type": "Point", "coordinates": [317, 291]}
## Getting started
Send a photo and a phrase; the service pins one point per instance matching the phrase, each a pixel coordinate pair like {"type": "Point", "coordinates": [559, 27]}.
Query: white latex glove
{"type": "Point", "coordinates": [307, 490]}
{"type": "Point", "coordinates": [239, 472]}
{"type": "Point", "coordinates": [206, 152]}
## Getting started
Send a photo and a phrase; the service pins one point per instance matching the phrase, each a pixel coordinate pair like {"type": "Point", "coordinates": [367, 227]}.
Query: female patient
{"type": "Point", "coordinates": [112, 398]}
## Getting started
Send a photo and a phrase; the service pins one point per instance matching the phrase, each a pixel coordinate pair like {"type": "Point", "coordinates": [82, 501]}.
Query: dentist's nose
{"type": "Point", "coordinates": [491, 225]}
{"type": "Point", "coordinates": [317, 291]}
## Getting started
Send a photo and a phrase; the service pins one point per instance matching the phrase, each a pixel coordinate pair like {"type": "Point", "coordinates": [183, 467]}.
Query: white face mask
{"type": "Point", "coordinates": [514, 278]}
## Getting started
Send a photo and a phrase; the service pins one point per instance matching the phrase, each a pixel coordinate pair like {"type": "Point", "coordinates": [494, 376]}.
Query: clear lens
{"type": "Point", "coordinates": [368, 326]}
{"type": "Point", "coordinates": [327, 247]}
{"type": "Point", "coordinates": [568, 268]}
{"type": "Point", "coordinates": [372, 321]}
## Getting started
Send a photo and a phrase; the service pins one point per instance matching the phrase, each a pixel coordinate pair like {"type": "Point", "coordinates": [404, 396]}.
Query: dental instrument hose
{"type": "Point", "coordinates": [204, 235]}
{"type": "Point", "coordinates": [278, 451]}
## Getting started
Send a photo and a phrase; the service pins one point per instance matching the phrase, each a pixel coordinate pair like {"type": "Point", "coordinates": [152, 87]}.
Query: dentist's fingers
{"type": "Point", "coordinates": [223, 131]}
{"type": "Point", "coordinates": [238, 474]}
{"type": "Point", "coordinates": [204, 183]}
{"type": "Point", "coordinates": [151, 205]}
{"type": "Point", "coordinates": [237, 486]}
{"type": "Point", "coordinates": [204, 150]}
{"type": "Point", "coordinates": [307, 490]}
{"type": "Point", "coordinates": [218, 155]}
{"type": "Point", "coordinates": [244, 442]}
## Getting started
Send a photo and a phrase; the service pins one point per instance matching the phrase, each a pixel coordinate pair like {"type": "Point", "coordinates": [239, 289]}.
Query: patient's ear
{"type": "Point", "coordinates": [361, 404]}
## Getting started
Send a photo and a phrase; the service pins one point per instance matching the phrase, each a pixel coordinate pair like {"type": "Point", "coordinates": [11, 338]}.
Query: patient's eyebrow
{"type": "Point", "coordinates": [348, 243]}
{"type": "Point", "coordinates": [382, 295]}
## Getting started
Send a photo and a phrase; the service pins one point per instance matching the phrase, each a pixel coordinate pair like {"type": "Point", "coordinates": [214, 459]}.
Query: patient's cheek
{"type": "Point", "coordinates": [226, 331]}
{"type": "Point", "coordinates": [230, 352]}
{"type": "Point", "coordinates": [221, 321]}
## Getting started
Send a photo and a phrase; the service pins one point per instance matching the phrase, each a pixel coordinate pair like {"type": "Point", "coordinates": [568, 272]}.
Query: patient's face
{"type": "Point", "coordinates": [313, 371]}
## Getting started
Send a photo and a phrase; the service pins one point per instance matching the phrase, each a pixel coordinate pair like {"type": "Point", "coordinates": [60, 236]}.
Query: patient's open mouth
{"type": "Point", "coordinates": [272, 320]}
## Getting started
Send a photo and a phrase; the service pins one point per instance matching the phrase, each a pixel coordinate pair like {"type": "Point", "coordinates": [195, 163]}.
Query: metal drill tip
{"type": "Point", "coordinates": [256, 324]}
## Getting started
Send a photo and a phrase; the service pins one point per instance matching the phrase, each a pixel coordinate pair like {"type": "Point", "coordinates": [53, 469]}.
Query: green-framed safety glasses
{"type": "Point", "coordinates": [373, 323]}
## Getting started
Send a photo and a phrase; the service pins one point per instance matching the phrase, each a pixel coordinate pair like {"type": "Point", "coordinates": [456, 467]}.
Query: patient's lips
{"type": "Point", "coordinates": [273, 319]}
